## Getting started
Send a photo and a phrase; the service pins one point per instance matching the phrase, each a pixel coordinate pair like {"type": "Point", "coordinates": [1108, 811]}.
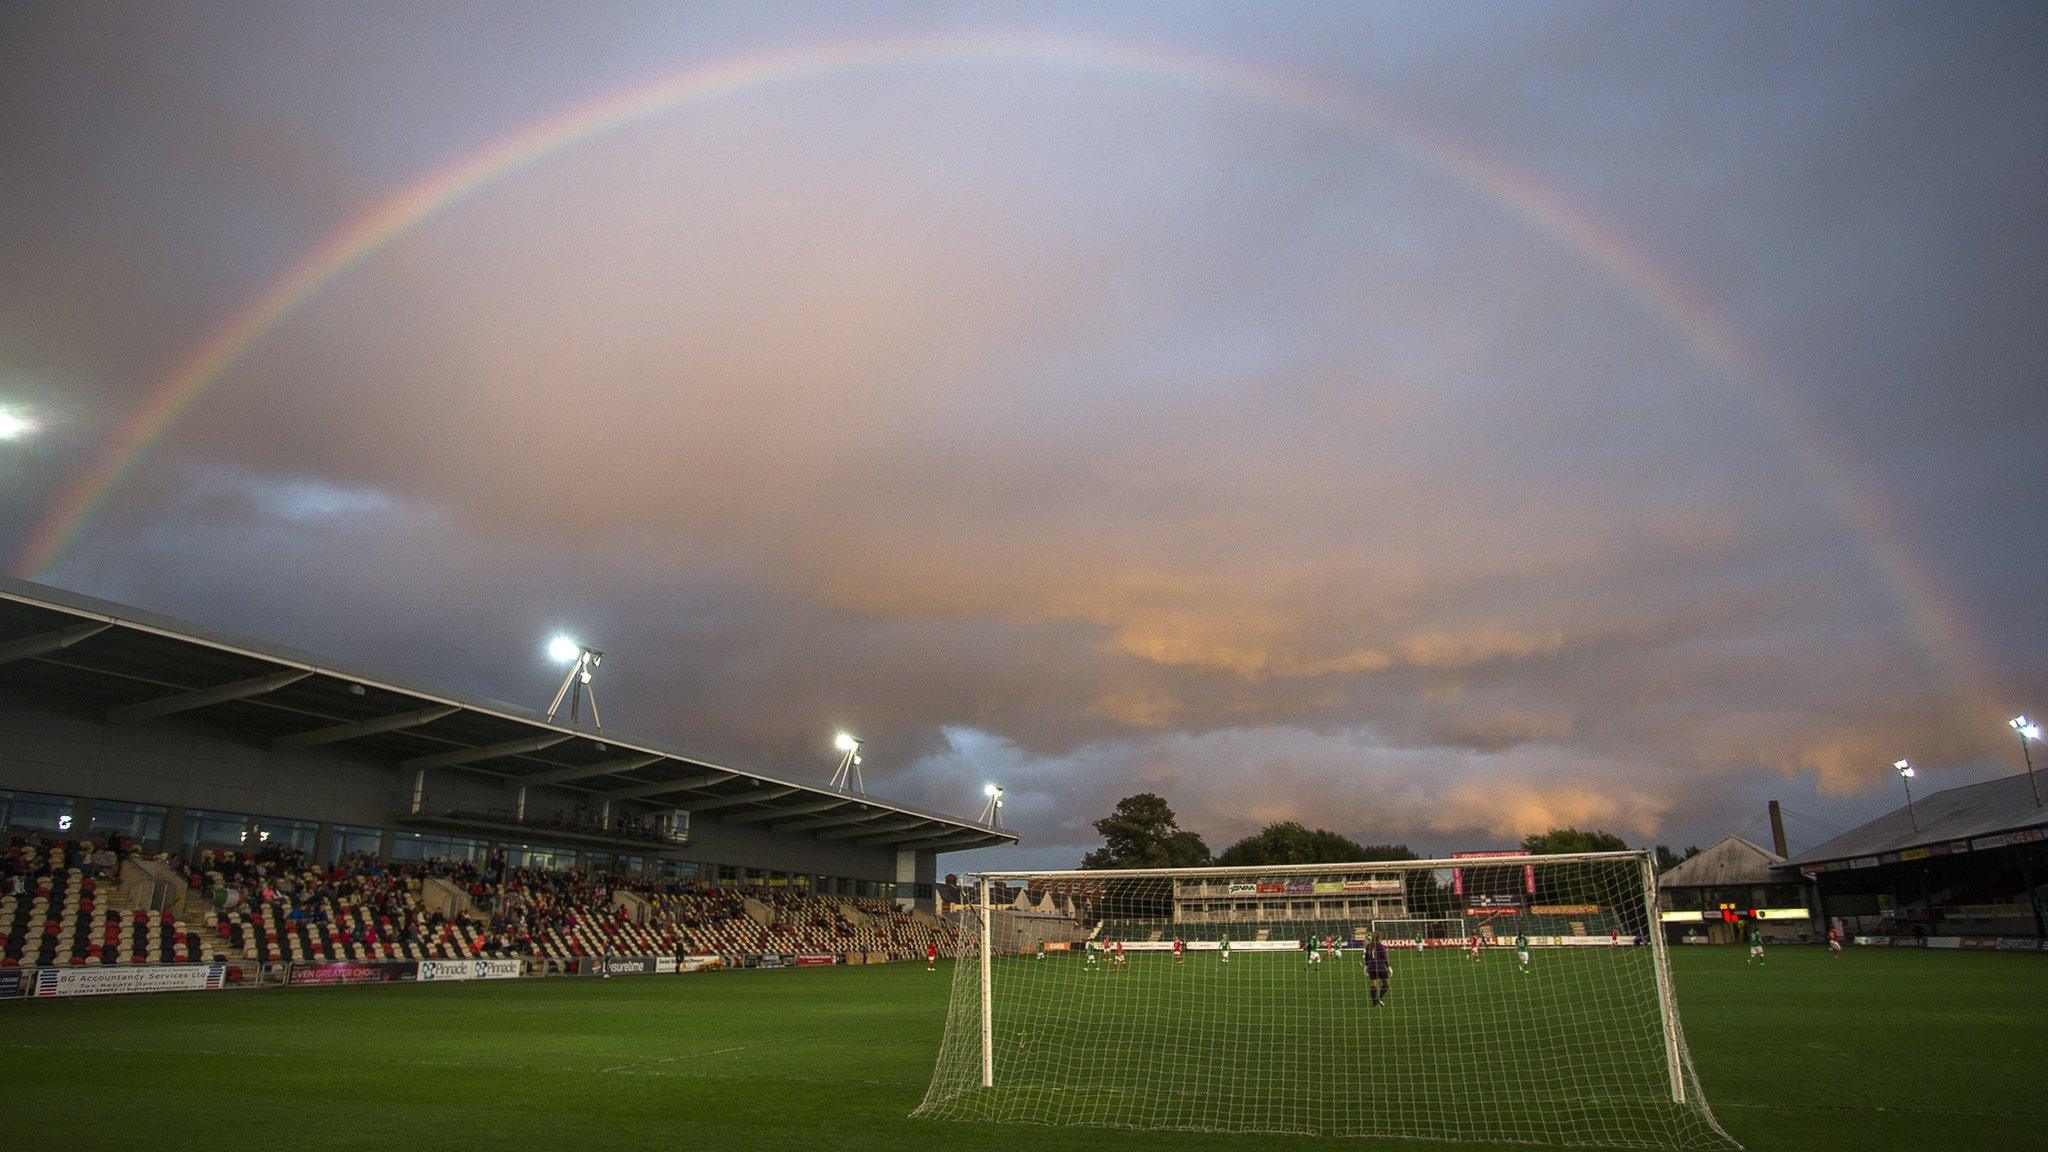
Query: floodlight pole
{"type": "Point", "coordinates": [2019, 727]}
{"type": "Point", "coordinates": [1906, 779]}
{"type": "Point", "coordinates": [576, 685]}
{"type": "Point", "coordinates": [992, 812]}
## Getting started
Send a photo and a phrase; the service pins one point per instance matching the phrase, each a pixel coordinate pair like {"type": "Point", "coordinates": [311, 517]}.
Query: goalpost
{"type": "Point", "coordinates": [1235, 1031]}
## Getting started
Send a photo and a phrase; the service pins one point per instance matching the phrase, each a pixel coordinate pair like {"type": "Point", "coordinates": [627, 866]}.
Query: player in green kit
{"type": "Point", "coordinates": [1522, 953]}
{"type": "Point", "coordinates": [1756, 946]}
{"type": "Point", "coordinates": [1226, 949]}
{"type": "Point", "coordinates": [1314, 956]}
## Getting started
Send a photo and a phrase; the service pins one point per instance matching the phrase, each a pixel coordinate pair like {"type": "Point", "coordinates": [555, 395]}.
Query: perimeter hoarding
{"type": "Point", "coordinates": [442, 971]}
{"type": "Point", "coordinates": [127, 980]}
{"type": "Point", "coordinates": [347, 972]}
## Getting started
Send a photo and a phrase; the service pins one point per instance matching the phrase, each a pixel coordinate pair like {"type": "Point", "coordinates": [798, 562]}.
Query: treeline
{"type": "Point", "coordinates": [1144, 833]}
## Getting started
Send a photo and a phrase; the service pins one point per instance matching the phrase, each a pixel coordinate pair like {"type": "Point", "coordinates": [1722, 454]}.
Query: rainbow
{"type": "Point", "coordinates": [1920, 596]}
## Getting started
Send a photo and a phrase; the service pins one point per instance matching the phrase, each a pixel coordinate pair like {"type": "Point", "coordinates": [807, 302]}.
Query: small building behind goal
{"type": "Point", "coordinates": [1350, 900]}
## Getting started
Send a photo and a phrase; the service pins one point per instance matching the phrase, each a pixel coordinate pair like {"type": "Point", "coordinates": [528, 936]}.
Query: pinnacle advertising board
{"type": "Point", "coordinates": [445, 970]}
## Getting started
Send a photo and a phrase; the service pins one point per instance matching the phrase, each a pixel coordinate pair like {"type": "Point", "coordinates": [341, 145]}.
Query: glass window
{"type": "Point", "coordinates": [216, 829]}
{"type": "Point", "coordinates": [38, 811]}
{"type": "Point", "coordinates": [551, 858]}
{"type": "Point", "coordinates": [299, 834]}
{"type": "Point", "coordinates": [345, 840]}
{"type": "Point", "coordinates": [420, 846]}
{"type": "Point", "coordinates": [140, 822]}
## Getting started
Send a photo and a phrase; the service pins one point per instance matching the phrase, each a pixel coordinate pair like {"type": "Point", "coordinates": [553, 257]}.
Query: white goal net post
{"type": "Point", "coordinates": [1222, 1008]}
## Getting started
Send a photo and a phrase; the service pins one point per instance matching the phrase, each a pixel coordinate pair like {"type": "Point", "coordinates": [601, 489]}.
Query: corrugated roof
{"type": "Point", "coordinates": [2002, 805]}
{"type": "Point", "coordinates": [1731, 863]}
{"type": "Point", "coordinates": [128, 665]}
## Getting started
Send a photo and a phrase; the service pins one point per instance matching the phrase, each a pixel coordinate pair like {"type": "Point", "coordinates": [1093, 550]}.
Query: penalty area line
{"type": "Point", "coordinates": [628, 1067]}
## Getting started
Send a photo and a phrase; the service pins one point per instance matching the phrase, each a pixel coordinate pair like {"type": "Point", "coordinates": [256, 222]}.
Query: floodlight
{"type": "Point", "coordinates": [992, 812]}
{"type": "Point", "coordinates": [13, 425]}
{"type": "Point", "coordinates": [1906, 781]}
{"type": "Point", "coordinates": [576, 684]}
{"type": "Point", "coordinates": [989, 790]}
{"type": "Point", "coordinates": [2028, 730]}
{"type": "Point", "coordinates": [847, 775]}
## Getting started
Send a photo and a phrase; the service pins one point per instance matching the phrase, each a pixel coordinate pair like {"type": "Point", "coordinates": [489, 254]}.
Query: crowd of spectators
{"type": "Point", "coordinates": [276, 903]}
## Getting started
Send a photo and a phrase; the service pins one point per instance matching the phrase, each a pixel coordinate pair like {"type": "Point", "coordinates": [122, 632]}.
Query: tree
{"type": "Point", "coordinates": [1290, 842]}
{"type": "Point", "coordinates": [1142, 833]}
{"type": "Point", "coordinates": [1561, 840]}
{"type": "Point", "coordinates": [1575, 883]}
{"type": "Point", "coordinates": [1667, 859]}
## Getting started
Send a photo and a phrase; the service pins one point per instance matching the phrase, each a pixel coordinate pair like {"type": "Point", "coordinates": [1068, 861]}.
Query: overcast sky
{"type": "Point", "coordinates": [1083, 424]}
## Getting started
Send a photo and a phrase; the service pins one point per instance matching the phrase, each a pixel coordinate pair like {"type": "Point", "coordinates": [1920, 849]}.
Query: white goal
{"type": "Point", "coordinates": [1216, 1014]}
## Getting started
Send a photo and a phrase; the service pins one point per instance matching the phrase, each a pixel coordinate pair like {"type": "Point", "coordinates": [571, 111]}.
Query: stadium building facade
{"type": "Point", "coordinates": [118, 721]}
{"type": "Point", "coordinates": [1251, 901]}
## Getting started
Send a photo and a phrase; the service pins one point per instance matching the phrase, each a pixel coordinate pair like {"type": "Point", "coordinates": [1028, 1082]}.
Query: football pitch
{"type": "Point", "coordinates": [1882, 1049]}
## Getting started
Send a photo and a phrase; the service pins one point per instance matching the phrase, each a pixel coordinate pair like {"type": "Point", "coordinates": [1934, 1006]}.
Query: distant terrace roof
{"type": "Point", "coordinates": [132, 666]}
{"type": "Point", "coordinates": [1972, 816]}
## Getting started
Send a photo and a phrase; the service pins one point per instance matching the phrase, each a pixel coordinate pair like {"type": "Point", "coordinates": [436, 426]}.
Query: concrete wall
{"type": "Point", "coordinates": [182, 765]}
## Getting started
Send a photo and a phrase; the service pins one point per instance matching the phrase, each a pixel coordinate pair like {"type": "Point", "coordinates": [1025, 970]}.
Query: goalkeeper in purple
{"type": "Point", "coordinates": [1378, 970]}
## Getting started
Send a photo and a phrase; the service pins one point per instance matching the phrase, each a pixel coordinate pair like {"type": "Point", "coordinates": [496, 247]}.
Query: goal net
{"type": "Point", "coordinates": [1210, 999]}
{"type": "Point", "coordinates": [1400, 933]}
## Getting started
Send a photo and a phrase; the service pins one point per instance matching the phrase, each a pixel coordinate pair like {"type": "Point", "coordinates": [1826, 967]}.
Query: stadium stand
{"type": "Point", "coordinates": [275, 906]}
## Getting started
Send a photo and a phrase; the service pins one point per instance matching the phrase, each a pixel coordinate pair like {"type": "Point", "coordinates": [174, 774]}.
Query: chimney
{"type": "Point", "coordinates": [1778, 830]}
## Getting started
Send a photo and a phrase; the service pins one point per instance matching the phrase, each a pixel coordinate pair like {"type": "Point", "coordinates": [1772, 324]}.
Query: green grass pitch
{"type": "Point", "coordinates": [1879, 1050]}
